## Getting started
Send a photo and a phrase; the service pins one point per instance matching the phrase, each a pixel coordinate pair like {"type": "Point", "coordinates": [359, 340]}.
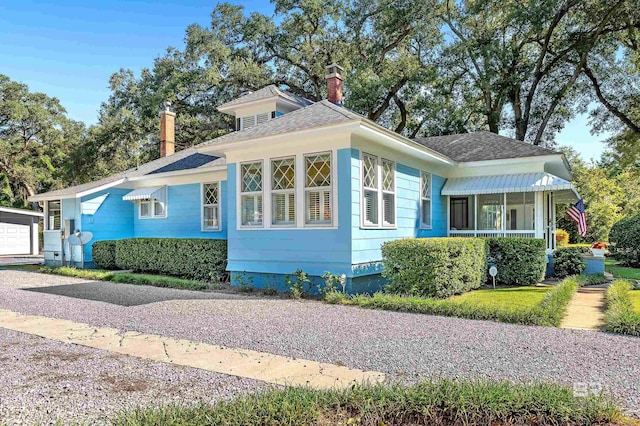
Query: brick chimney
{"type": "Point", "coordinates": [167, 131]}
{"type": "Point", "coordinates": [334, 84]}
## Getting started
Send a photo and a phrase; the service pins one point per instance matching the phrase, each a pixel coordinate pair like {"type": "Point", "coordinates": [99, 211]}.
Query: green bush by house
{"type": "Point", "coordinates": [194, 258]}
{"type": "Point", "coordinates": [621, 317]}
{"type": "Point", "coordinates": [434, 267]}
{"type": "Point", "coordinates": [568, 261]}
{"type": "Point", "coordinates": [520, 261]}
{"type": "Point", "coordinates": [625, 240]}
{"type": "Point", "coordinates": [104, 254]}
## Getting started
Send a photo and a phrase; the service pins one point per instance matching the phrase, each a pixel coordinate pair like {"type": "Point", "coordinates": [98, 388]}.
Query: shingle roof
{"type": "Point", "coordinates": [480, 146]}
{"type": "Point", "coordinates": [267, 92]}
{"type": "Point", "coordinates": [319, 114]}
{"type": "Point", "coordinates": [182, 160]}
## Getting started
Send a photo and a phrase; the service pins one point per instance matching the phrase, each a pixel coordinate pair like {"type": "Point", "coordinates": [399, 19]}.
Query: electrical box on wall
{"type": "Point", "coordinates": [69, 228]}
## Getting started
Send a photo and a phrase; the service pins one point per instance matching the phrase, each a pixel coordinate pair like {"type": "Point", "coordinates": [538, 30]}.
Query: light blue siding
{"type": "Point", "coordinates": [282, 251]}
{"type": "Point", "coordinates": [183, 216]}
{"type": "Point", "coordinates": [366, 244]}
{"type": "Point", "coordinates": [112, 220]}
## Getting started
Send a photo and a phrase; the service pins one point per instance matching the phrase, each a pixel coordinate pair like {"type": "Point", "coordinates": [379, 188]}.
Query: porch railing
{"type": "Point", "coordinates": [501, 234]}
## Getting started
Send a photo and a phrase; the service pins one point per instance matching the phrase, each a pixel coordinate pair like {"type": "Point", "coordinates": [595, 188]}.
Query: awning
{"type": "Point", "coordinates": [151, 193]}
{"type": "Point", "coordinates": [518, 182]}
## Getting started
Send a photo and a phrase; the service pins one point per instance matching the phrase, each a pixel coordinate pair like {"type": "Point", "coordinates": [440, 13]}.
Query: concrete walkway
{"type": "Point", "coordinates": [249, 364]}
{"type": "Point", "coordinates": [586, 309]}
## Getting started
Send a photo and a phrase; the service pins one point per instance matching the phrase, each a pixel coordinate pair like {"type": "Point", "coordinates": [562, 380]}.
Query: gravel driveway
{"type": "Point", "coordinates": [410, 346]}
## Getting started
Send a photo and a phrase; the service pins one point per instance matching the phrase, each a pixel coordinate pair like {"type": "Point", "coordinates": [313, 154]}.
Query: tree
{"type": "Point", "coordinates": [529, 56]}
{"type": "Point", "coordinates": [35, 139]}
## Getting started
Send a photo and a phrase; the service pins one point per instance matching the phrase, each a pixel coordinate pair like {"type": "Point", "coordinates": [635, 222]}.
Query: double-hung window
{"type": "Point", "coordinates": [318, 189]}
{"type": "Point", "coordinates": [154, 208]}
{"type": "Point", "coordinates": [388, 193]}
{"type": "Point", "coordinates": [211, 206]}
{"type": "Point", "coordinates": [283, 192]}
{"type": "Point", "coordinates": [370, 189]}
{"type": "Point", "coordinates": [425, 200]}
{"type": "Point", "coordinates": [251, 194]}
{"type": "Point", "coordinates": [378, 191]}
{"type": "Point", "coordinates": [54, 215]}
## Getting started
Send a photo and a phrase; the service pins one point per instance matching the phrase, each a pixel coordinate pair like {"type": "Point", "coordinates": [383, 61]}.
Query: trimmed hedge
{"type": "Point", "coordinates": [104, 254]}
{"type": "Point", "coordinates": [194, 258]}
{"type": "Point", "coordinates": [434, 267]}
{"type": "Point", "coordinates": [625, 240]}
{"type": "Point", "coordinates": [520, 261]}
{"type": "Point", "coordinates": [620, 316]}
{"type": "Point", "coordinates": [568, 261]}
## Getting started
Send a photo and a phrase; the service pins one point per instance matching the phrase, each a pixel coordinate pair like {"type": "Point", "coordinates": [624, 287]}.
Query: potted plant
{"type": "Point", "coordinates": [598, 249]}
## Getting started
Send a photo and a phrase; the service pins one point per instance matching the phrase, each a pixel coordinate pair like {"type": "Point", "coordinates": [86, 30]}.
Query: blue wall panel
{"type": "Point", "coordinates": [366, 244]}
{"type": "Point", "coordinates": [183, 216]}
{"type": "Point", "coordinates": [111, 221]}
{"type": "Point", "coordinates": [282, 251]}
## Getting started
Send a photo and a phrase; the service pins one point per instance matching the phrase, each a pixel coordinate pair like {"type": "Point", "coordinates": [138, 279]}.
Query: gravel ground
{"type": "Point", "coordinates": [45, 381]}
{"type": "Point", "coordinates": [410, 346]}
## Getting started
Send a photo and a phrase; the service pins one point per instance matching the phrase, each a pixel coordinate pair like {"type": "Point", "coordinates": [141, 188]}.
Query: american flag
{"type": "Point", "coordinates": [576, 213]}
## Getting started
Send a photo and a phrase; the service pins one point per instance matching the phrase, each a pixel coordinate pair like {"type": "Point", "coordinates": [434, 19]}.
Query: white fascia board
{"type": "Point", "coordinates": [386, 136]}
{"type": "Point", "coordinates": [100, 188]}
{"type": "Point", "coordinates": [247, 143]}
{"type": "Point", "coordinates": [21, 211]}
{"type": "Point", "coordinates": [48, 197]}
{"type": "Point", "coordinates": [178, 173]}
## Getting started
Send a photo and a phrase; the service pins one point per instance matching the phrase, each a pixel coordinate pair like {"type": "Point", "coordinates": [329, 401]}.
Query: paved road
{"type": "Point", "coordinates": [409, 346]}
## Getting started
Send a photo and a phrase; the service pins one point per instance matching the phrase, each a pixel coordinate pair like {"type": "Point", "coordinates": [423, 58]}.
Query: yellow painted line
{"type": "Point", "coordinates": [249, 364]}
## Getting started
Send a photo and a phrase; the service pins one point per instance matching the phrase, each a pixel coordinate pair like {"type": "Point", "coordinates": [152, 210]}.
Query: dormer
{"type": "Point", "coordinates": [253, 108]}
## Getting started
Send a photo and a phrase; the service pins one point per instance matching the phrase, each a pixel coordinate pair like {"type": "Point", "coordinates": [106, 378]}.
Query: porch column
{"type": "Point", "coordinates": [475, 215]}
{"type": "Point", "coordinates": [539, 218]}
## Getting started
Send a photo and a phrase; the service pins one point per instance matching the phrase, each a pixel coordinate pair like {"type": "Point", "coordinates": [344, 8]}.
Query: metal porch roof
{"type": "Point", "coordinates": [149, 193]}
{"type": "Point", "coordinates": [518, 182]}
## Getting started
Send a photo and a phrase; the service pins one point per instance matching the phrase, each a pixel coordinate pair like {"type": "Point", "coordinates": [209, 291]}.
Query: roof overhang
{"type": "Point", "coordinates": [21, 211]}
{"type": "Point", "coordinates": [508, 183]}
{"type": "Point", "coordinates": [230, 108]}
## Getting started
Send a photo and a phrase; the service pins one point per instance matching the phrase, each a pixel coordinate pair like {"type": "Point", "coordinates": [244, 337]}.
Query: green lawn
{"type": "Point", "coordinates": [35, 268]}
{"type": "Point", "coordinates": [612, 267]}
{"type": "Point", "coordinates": [505, 297]}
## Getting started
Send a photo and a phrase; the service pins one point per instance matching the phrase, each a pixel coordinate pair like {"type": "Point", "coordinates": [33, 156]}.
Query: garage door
{"type": "Point", "coordinates": [15, 239]}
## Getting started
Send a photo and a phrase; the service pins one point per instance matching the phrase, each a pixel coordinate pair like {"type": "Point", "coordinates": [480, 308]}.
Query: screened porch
{"type": "Point", "coordinates": [514, 205]}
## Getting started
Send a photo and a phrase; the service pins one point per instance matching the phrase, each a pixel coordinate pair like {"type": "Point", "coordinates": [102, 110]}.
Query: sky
{"type": "Point", "coordinates": [68, 49]}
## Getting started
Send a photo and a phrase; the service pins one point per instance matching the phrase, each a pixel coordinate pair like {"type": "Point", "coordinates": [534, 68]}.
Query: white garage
{"type": "Point", "coordinates": [19, 231]}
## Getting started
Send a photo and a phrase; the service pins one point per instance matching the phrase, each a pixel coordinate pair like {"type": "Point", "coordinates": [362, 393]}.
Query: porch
{"type": "Point", "coordinates": [506, 206]}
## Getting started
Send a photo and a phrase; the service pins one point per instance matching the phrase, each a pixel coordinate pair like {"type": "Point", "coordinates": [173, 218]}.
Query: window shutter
{"type": "Point", "coordinates": [426, 212]}
{"type": "Point", "coordinates": [370, 207]}
{"type": "Point", "coordinates": [248, 122]}
{"type": "Point", "coordinates": [388, 205]}
{"type": "Point", "coordinates": [262, 118]}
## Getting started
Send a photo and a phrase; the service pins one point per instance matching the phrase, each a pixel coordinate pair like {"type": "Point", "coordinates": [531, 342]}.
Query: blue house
{"type": "Point", "coordinates": [314, 186]}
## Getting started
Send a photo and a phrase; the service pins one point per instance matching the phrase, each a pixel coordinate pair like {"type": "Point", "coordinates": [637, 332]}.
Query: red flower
{"type": "Point", "coordinates": [599, 245]}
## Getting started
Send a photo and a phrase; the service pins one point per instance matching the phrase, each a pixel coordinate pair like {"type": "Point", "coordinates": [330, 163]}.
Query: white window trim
{"type": "Point", "coordinates": [430, 198]}
{"type": "Point", "coordinates": [266, 218]}
{"type": "Point", "coordinates": [331, 188]}
{"type": "Point", "coordinates": [380, 191]}
{"type": "Point", "coordinates": [300, 176]}
{"type": "Point", "coordinates": [283, 191]}
{"type": "Point", "coordinates": [202, 206]}
{"type": "Point", "coordinates": [153, 207]}
{"type": "Point", "coordinates": [46, 215]}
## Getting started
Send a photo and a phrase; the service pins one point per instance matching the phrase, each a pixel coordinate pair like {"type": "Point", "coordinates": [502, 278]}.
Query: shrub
{"type": "Point", "coordinates": [593, 279]}
{"type": "Point", "coordinates": [199, 259]}
{"type": "Point", "coordinates": [562, 237]}
{"type": "Point", "coordinates": [299, 285]}
{"type": "Point", "coordinates": [436, 402]}
{"type": "Point", "coordinates": [568, 261]}
{"type": "Point", "coordinates": [620, 316]}
{"type": "Point", "coordinates": [434, 267]}
{"type": "Point", "coordinates": [520, 261]}
{"type": "Point", "coordinates": [104, 254]}
{"type": "Point", "coordinates": [625, 240]}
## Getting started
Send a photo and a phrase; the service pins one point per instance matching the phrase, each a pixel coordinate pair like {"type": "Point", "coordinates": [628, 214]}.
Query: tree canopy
{"type": "Point", "coordinates": [521, 68]}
